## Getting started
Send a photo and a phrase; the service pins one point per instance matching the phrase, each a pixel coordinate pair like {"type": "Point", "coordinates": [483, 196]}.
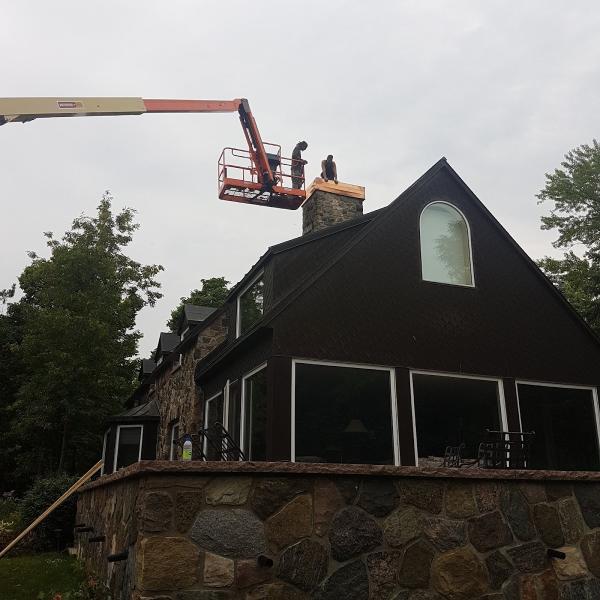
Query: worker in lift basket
{"type": "Point", "coordinates": [329, 169]}
{"type": "Point", "coordinates": [298, 165]}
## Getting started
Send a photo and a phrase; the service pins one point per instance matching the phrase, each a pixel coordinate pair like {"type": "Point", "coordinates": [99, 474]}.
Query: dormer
{"type": "Point", "coordinates": [146, 367]}
{"type": "Point", "coordinates": [192, 315]}
{"type": "Point", "coordinates": [166, 344]}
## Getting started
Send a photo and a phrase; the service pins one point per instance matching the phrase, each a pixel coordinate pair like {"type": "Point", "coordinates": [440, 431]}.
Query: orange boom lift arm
{"type": "Point", "coordinates": [252, 176]}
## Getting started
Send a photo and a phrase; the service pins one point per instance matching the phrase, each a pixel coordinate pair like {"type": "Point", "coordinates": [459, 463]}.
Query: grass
{"type": "Point", "coordinates": [39, 576]}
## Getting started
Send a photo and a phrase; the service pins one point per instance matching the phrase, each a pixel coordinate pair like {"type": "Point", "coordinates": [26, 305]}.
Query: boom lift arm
{"type": "Point", "coordinates": [260, 175]}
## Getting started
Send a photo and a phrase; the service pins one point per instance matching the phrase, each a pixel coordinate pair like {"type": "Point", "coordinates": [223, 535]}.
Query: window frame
{"type": "Point", "coordinates": [497, 380]}
{"type": "Point", "coordinates": [238, 311]}
{"type": "Point", "coordinates": [104, 446]}
{"type": "Point", "coordinates": [243, 405]}
{"type": "Point", "coordinates": [213, 397]}
{"type": "Point", "coordinates": [460, 212]}
{"type": "Point", "coordinates": [119, 427]}
{"type": "Point", "coordinates": [369, 367]}
{"type": "Point", "coordinates": [590, 388]}
{"type": "Point", "coordinates": [174, 424]}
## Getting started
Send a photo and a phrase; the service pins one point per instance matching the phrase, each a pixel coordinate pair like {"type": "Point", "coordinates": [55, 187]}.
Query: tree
{"type": "Point", "coordinates": [78, 340]}
{"type": "Point", "coordinates": [575, 191]}
{"type": "Point", "coordinates": [11, 375]}
{"type": "Point", "coordinates": [212, 293]}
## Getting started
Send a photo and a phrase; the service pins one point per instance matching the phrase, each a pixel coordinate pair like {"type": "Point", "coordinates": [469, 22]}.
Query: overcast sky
{"type": "Point", "coordinates": [501, 89]}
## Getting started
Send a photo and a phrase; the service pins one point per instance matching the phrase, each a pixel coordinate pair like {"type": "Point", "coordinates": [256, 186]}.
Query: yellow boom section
{"type": "Point", "coordinates": [27, 109]}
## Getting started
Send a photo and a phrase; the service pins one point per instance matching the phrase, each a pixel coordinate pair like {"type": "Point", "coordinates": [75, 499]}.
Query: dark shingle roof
{"type": "Point", "coordinates": [146, 367]}
{"type": "Point", "coordinates": [166, 344]}
{"type": "Point", "coordinates": [193, 314]}
{"type": "Point", "coordinates": [147, 411]}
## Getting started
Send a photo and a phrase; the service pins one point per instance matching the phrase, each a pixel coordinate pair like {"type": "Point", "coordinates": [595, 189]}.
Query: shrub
{"type": "Point", "coordinates": [38, 498]}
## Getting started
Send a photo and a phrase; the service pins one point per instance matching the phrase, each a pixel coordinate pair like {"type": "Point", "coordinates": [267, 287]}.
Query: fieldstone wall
{"type": "Point", "coordinates": [176, 392]}
{"type": "Point", "coordinates": [290, 532]}
{"type": "Point", "coordinates": [323, 209]}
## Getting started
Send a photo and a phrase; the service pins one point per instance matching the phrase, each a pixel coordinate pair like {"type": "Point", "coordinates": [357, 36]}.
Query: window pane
{"type": "Point", "coordinates": [450, 411]}
{"type": "Point", "coordinates": [214, 414]}
{"type": "Point", "coordinates": [251, 306]}
{"type": "Point", "coordinates": [565, 427]}
{"type": "Point", "coordinates": [129, 446]}
{"type": "Point", "coordinates": [234, 413]}
{"type": "Point", "coordinates": [255, 397]}
{"type": "Point", "coordinates": [445, 254]}
{"type": "Point", "coordinates": [343, 415]}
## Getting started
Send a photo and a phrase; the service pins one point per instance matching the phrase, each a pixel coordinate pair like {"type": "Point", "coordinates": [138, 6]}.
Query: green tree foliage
{"type": "Point", "coordinates": [78, 341]}
{"type": "Point", "coordinates": [212, 293]}
{"type": "Point", "coordinates": [575, 191]}
{"type": "Point", "coordinates": [11, 375]}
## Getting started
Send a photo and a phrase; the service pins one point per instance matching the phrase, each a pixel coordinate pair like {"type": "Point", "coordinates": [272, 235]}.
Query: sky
{"type": "Point", "coordinates": [501, 89]}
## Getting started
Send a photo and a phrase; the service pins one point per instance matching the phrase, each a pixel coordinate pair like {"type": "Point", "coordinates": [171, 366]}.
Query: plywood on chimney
{"type": "Point", "coordinates": [340, 188]}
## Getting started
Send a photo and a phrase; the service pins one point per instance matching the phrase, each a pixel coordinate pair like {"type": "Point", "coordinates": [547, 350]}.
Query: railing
{"type": "Point", "coordinates": [236, 168]}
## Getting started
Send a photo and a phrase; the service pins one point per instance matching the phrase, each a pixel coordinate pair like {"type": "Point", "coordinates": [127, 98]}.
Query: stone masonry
{"type": "Point", "coordinates": [250, 531]}
{"type": "Point", "coordinates": [175, 390]}
{"type": "Point", "coordinates": [330, 204]}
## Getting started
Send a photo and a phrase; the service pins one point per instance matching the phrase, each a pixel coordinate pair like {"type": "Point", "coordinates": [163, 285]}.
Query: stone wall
{"type": "Point", "coordinates": [323, 209]}
{"type": "Point", "coordinates": [176, 391]}
{"type": "Point", "coordinates": [226, 531]}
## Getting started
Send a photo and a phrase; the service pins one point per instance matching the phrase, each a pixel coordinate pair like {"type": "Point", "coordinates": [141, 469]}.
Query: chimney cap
{"type": "Point", "coordinates": [341, 188]}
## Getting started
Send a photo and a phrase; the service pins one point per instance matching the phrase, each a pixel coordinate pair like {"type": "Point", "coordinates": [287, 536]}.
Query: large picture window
{"type": "Point", "coordinates": [450, 411]}
{"type": "Point", "coordinates": [255, 415]}
{"type": "Point", "coordinates": [343, 414]}
{"type": "Point", "coordinates": [445, 245]}
{"type": "Point", "coordinates": [564, 422]}
{"type": "Point", "coordinates": [250, 306]}
{"type": "Point", "coordinates": [128, 447]}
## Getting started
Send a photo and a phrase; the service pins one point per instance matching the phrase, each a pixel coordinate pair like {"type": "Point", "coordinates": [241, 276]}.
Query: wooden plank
{"type": "Point", "coordinates": [341, 188]}
{"type": "Point", "coordinates": [53, 506]}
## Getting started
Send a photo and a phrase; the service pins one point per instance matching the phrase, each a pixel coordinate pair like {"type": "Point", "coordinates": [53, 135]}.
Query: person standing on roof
{"type": "Point", "coordinates": [298, 165]}
{"type": "Point", "coordinates": [329, 169]}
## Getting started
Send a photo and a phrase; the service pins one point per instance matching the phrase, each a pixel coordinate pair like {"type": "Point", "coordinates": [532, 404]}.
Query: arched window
{"type": "Point", "coordinates": [445, 245]}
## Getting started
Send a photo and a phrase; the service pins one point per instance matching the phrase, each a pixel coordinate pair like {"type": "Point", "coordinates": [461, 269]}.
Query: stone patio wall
{"type": "Point", "coordinates": [225, 531]}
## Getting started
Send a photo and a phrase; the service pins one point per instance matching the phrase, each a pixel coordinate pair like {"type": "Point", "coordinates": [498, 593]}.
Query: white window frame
{"type": "Point", "coordinates": [242, 431]}
{"type": "Point", "coordinates": [119, 427]}
{"type": "Point", "coordinates": [393, 400]}
{"type": "Point", "coordinates": [501, 398]}
{"type": "Point", "coordinates": [174, 424]}
{"type": "Point", "coordinates": [238, 322]}
{"type": "Point", "coordinates": [104, 443]}
{"type": "Point", "coordinates": [213, 397]}
{"type": "Point", "coordinates": [460, 212]}
{"type": "Point", "coordinates": [590, 388]}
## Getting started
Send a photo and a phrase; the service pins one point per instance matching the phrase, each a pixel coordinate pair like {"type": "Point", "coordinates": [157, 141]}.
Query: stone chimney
{"type": "Point", "coordinates": [329, 203]}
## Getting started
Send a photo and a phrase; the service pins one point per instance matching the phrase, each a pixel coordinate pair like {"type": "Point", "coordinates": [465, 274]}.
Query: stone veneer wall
{"type": "Point", "coordinates": [176, 392]}
{"type": "Point", "coordinates": [225, 531]}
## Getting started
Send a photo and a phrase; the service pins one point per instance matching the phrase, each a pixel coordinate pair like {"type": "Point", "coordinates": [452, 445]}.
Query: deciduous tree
{"type": "Point", "coordinates": [79, 340]}
{"type": "Point", "coordinates": [575, 191]}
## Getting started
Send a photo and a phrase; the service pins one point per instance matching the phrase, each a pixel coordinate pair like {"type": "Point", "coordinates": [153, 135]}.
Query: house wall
{"type": "Point", "coordinates": [373, 307]}
{"type": "Point", "coordinates": [175, 390]}
{"type": "Point", "coordinates": [282, 531]}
